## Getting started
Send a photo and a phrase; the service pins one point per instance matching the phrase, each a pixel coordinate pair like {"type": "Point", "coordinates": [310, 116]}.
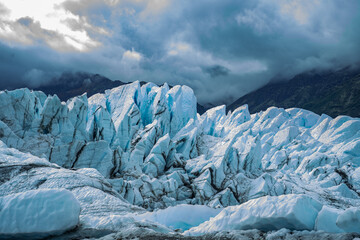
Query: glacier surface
{"type": "Point", "coordinates": [136, 149]}
{"type": "Point", "coordinates": [181, 217]}
{"type": "Point", "coordinates": [293, 212]}
{"type": "Point", "coordinates": [38, 212]}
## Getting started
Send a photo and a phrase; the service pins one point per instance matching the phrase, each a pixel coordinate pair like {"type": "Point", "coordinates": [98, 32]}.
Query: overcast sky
{"type": "Point", "coordinates": [222, 49]}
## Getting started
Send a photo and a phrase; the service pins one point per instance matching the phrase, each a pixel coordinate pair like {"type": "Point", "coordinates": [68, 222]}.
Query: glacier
{"type": "Point", "coordinates": [41, 212]}
{"type": "Point", "coordinates": [181, 217]}
{"type": "Point", "coordinates": [134, 150]}
{"type": "Point", "coordinates": [295, 212]}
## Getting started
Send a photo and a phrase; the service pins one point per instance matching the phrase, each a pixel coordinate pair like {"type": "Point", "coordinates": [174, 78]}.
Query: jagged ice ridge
{"type": "Point", "coordinates": [137, 148]}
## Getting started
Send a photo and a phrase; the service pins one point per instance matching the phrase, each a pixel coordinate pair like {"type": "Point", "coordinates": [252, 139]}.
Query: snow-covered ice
{"type": "Point", "coordinates": [181, 217]}
{"type": "Point", "coordinates": [349, 220]}
{"type": "Point", "coordinates": [326, 220]}
{"type": "Point", "coordinates": [38, 212]}
{"type": "Point", "coordinates": [294, 212]}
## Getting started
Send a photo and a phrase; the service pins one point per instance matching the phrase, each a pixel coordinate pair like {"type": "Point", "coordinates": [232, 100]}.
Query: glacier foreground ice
{"type": "Point", "coordinates": [294, 212]}
{"type": "Point", "coordinates": [349, 220]}
{"type": "Point", "coordinates": [32, 192]}
{"type": "Point", "coordinates": [181, 217]}
{"type": "Point", "coordinates": [138, 148]}
{"type": "Point", "coordinates": [38, 212]}
{"type": "Point", "coordinates": [326, 220]}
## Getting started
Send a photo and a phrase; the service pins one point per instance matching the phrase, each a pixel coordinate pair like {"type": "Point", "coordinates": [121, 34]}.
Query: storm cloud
{"type": "Point", "coordinates": [238, 45]}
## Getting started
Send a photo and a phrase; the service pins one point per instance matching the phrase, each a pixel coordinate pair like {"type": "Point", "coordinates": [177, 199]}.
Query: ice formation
{"type": "Point", "coordinates": [37, 212]}
{"type": "Point", "coordinates": [181, 217]}
{"type": "Point", "coordinates": [138, 148]}
{"type": "Point", "coordinates": [294, 212]}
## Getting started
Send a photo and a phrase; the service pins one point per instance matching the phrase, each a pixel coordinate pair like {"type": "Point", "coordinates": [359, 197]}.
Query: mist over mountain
{"type": "Point", "coordinates": [71, 84]}
{"type": "Point", "coordinates": [334, 93]}
{"type": "Point", "coordinates": [331, 92]}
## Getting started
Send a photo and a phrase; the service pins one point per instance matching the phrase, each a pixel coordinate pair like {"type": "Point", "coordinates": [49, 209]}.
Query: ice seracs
{"type": "Point", "coordinates": [145, 146]}
{"type": "Point", "coordinates": [34, 191]}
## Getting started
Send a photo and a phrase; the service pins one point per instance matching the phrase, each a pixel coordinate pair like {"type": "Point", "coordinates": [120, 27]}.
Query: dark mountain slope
{"type": "Point", "coordinates": [71, 84]}
{"type": "Point", "coordinates": [333, 93]}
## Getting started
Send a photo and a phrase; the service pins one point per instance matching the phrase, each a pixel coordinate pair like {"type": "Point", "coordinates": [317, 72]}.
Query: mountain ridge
{"type": "Point", "coordinates": [333, 93]}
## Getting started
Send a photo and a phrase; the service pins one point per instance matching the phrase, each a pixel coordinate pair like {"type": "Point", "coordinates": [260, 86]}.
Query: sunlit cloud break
{"type": "Point", "coordinates": [46, 21]}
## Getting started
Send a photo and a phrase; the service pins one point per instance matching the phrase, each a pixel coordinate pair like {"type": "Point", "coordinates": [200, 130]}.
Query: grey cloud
{"type": "Point", "coordinates": [243, 44]}
{"type": "Point", "coordinates": [217, 70]}
{"type": "Point", "coordinates": [3, 10]}
{"type": "Point", "coordinates": [36, 77]}
{"type": "Point", "coordinates": [16, 63]}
